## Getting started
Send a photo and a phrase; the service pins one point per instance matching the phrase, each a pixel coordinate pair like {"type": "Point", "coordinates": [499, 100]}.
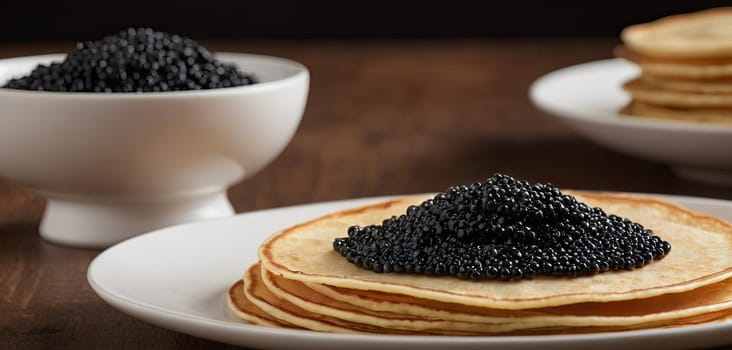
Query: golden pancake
{"type": "Point", "coordinates": [719, 86]}
{"type": "Point", "coordinates": [665, 308]}
{"type": "Point", "coordinates": [264, 300]}
{"type": "Point", "coordinates": [398, 303]}
{"type": "Point", "coordinates": [711, 298]}
{"type": "Point", "coordinates": [623, 51]}
{"type": "Point", "coordinates": [261, 297]}
{"type": "Point", "coordinates": [700, 257]}
{"type": "Point", "coordinates": [243, 307]}
{"type": "Point", "coordinates": [700, 34]}
{"type": "Point", "coordinates": [698, 69]}
{"type": "Point", "coordinates": [687, 71]}
{"type": "Point", "coordinates": [639, 109]}
{"type": "Point", "coordinates": [308, 299]}
{"type": "Point", "coordinates": [650, 94]}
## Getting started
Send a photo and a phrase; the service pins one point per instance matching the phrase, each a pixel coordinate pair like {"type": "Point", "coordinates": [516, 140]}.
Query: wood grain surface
{"type": "Point", "coordinates": [386, 116]}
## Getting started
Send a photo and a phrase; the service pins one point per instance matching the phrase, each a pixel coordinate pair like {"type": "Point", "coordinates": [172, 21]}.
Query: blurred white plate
{"type": "Point", "coordinates": [177, 278]}
{"type": "Point", "coordinates": [588, 97]}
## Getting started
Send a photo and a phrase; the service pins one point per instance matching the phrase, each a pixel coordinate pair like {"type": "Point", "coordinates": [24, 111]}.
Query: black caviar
{"type": "Point", "coordinates": [502, 229]}
{"type": "Point", "coordinates": [134, 60]}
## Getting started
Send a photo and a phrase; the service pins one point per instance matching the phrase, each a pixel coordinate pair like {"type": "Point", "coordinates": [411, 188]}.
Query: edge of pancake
{"type": "Point", "coordinates": [686, 71]}
{"type": "Point", "coordinates": [294, 318]}
{"type": "Point", "coordinates": [265, 255]}
{"type": "Point", "coordinates": [291, 313]}
{"type": "Point", "coordinates": [236, 295]}
{"type": "Point", "coordinates": [390, 320]}
{"type": "Point", "coordinates": [623, 51]}
{"type": "Point", "coordinates": [720, 86]}
{"type": "Point", "coordinates": [705, 116]}
{"type": "Point", "coordinates": [707, 317]}
{"type": "Point", "coordinates": [533, 319]}
{"type": "Point", "coordinates": [645, 92]}
{"type": "Point", "coordinates": [406, 306]}
{"type": "Point", "coordinates": [532, 324]}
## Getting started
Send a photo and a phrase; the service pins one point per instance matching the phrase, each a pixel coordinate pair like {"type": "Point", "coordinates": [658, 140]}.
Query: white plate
{"type": "Point", "coordinates": [177, 278]}
{"type": "Point", "coordinates": [588, 97]}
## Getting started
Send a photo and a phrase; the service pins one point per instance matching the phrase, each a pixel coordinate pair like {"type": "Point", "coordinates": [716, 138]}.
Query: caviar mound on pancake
{"type": "Point", "coordinates": [677, 272]}
{"type": "Point", "coordinates": [304, 277]}
{"type": "Point", "coordinates": [501, 228]}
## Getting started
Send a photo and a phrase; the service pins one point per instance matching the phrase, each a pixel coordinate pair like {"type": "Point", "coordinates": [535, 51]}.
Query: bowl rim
{"type": "Point", "coordinates": [301, 72]}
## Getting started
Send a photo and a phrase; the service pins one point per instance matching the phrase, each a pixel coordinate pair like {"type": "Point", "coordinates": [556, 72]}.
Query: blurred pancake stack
{"type": "Point", "coordinates": [301, 282]}
{"type": "Point", "coordinates": [686, 67]}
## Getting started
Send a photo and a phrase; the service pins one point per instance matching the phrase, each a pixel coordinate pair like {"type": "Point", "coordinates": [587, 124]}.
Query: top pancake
{"type": "Point", "coordinates": [700, 256]}
{"type": "Point", "coordinates": [700, 34]}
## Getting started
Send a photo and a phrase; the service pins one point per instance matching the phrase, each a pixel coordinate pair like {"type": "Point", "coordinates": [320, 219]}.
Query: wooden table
{"type": "Point", "coordinates": [384, 117]}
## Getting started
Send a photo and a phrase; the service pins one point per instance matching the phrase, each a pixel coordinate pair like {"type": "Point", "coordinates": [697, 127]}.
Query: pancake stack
{"type": "Point", "coordinates": [302, 282]}
{"type": "Point", "coordinates": [686, 67]}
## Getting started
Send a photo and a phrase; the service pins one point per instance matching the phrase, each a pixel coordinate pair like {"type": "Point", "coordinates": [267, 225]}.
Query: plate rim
{"type": "Point", "coordinates": [119, 302]}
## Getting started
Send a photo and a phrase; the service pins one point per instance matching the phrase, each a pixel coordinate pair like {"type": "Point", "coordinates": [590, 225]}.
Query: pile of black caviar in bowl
{"type": "Point", "coordinates": [504, 229]}
{"type": "Point", "coordinates": [134, 60]}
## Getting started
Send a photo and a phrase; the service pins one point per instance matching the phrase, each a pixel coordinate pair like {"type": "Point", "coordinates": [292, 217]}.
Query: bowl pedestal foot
{"type": "Point", "coordinates": [96, 223]}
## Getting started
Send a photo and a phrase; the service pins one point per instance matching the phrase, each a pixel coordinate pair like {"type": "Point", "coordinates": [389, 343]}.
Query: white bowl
{"type": "Point", "coordinates": [588, 97]}
{"type": "Point", "coordinates": [117, 165]}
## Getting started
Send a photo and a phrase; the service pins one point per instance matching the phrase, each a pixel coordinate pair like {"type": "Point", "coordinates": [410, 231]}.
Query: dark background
{"type": "Point", "coordinates": [53, 20]}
